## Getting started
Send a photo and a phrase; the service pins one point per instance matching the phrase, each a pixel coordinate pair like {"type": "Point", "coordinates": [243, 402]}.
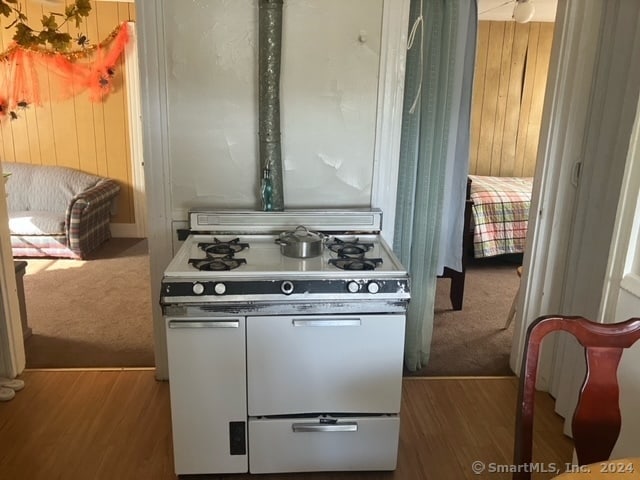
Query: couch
{"type": "Point", "coordinates": [57, 211]}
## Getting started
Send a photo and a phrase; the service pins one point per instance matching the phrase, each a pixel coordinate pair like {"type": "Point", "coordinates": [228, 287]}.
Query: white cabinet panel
{"type": "Point", "coordinates": [305, 445]}
{"type": "Point", "coordinates": [324, 364]}
{"type": "Point", "coordinates": [208, 394]}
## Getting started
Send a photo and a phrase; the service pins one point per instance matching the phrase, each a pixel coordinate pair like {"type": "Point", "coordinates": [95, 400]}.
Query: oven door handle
{"type": "Point", "coordinates": [324, 427]}
{"type": "Point", "coordinates": [204, 324]}
{"type": "Point", "coordinates": [328, 322]}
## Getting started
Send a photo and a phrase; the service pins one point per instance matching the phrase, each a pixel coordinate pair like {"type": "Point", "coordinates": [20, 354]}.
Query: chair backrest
{"type": "Point", "coordinates": [596, 420]}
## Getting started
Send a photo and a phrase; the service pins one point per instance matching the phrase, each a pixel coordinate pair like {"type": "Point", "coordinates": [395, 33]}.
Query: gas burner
{"type": "Point", "coordinates": [362, 263]}
{"type": "Point", "coordinates": [349, 249]}
{"type": "Point", "coordinates": [214, 264]}
{"type": "Point", "coordinates": [223, 248]}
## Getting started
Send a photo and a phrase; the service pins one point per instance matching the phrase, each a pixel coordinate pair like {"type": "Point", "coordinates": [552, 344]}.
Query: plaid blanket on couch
{"type": "Point", "coordinates": [500, 214]}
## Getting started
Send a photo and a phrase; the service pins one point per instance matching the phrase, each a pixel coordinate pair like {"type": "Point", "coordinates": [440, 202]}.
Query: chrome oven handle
{"type": "Point", "coordinates": [328, 322]}
{"type": "Point", "coordinates": [204, 324]}
{"type": "Point", "coordinates": [325, 427]}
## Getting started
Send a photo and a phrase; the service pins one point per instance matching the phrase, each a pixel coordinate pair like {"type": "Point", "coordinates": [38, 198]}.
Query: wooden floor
{"type": "Point", "coordinates": [116, 425]}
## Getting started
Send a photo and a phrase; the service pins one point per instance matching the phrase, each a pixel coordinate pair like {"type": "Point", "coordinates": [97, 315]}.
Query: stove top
{"type": "Point", "coordinates": [262, 259]}
{"type": "Point", "coordinates": [217, 265]}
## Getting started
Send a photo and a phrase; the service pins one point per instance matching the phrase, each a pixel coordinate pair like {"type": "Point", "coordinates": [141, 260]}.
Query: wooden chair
{"type": "Point", "coordinates": [596, 420]}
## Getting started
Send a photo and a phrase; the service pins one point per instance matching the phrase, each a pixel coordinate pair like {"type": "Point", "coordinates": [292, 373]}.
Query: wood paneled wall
{"type": "Point", "coordinates": [77, 133]}
{"type": "Point", "coordinates": [510, 80]}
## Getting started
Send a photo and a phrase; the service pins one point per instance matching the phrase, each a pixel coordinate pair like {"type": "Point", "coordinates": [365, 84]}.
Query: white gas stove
{"type": "Point", "coordinates": [281, 364]}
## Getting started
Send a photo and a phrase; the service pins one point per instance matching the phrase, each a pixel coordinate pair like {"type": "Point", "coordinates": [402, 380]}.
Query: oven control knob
{"type": "Point", "coordinates": [286, 287]}
{"type": "Point", "coordinates": [353, 287]}
{"type": "Point", "coordinates": [198, 288]}
{"type": "Point", "coordinates": [373, 287]}
{"type": "Point", "coordinates": [220, 288]}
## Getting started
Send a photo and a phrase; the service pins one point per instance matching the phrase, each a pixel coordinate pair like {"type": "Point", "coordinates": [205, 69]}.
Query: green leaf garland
{"type": "Point", "coordinates": [50, 36]}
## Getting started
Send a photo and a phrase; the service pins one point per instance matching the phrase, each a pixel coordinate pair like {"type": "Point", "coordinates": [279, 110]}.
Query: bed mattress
{"type": "Point", "coordinates": [500, 214]}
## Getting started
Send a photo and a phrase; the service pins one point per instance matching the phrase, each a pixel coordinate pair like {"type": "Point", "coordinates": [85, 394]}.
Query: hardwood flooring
{"type": "Point", "coordinates": [81, 425]}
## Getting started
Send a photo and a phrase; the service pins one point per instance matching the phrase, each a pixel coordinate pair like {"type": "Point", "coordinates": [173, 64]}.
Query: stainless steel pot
{"type": "Point", "coordinates": [301, 243]}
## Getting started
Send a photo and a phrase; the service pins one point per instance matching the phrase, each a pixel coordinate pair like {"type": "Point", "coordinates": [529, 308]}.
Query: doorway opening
{"type": "Point", "coordinates": [94, 312]}
{"type": "Point", "coordinates": [511, 68]}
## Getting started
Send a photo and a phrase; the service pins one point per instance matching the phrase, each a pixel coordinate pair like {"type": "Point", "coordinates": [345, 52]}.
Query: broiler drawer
{"type": "Point", "coordinates": [324, 364]}
{"type": "Point", "coordinates": [311, 444]}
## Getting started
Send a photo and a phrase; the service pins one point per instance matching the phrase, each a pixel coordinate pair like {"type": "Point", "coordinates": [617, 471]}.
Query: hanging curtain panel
{"type": "Point", "coordinates": [434, 156]}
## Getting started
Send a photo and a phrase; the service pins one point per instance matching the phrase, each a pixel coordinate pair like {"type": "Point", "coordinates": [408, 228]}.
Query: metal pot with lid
{"type": "Point", "coordinates": [301, 243]}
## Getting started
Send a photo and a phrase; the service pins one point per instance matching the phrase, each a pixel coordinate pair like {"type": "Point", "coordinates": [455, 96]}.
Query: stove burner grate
{"type": "Point", "coordinates": [223, 248]}
{"type": "Point", "coordinates": [362, 263]}
{"type": "Point", "coordinates": [349, 249]}
{"type": "Point", "coordinates": [216, 264]}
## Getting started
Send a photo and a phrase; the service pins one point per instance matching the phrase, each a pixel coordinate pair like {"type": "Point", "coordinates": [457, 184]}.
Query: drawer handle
{"type": "Point", "coordinates": [323, 427]}
{"type": "Point", "coordinates": [334, 322]}
{"type": "Point", "coordinates": [210, 324]}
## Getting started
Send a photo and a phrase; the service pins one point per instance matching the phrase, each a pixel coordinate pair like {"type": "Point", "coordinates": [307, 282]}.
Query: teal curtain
{"type": "Point", "coordinates": [434, 156]}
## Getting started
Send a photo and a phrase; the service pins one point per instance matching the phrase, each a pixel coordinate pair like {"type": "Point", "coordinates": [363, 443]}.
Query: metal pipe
{"type": "Point", "coordinates": [269, 55]}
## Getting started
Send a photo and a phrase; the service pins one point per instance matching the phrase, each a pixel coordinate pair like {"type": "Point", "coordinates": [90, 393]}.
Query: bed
{"type": "Point", "coordinates": [495, 223]}
{"type": "Point", "coordinates": [500, 213]}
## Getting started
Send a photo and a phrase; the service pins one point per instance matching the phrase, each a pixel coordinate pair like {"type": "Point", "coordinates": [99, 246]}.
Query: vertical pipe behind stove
{"type": "Point", "coordinates": [269, 56]}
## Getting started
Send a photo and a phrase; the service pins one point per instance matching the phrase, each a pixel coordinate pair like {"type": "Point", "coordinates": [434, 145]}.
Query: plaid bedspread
{"type": "Point", "coordinates": [500, 214]}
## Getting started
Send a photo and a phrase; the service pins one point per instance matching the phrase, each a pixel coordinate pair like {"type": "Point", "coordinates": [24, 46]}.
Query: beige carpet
{"type": "Point", "coordinates": [97, 313]}
{"type": "Point", "coordinates": [92, 313]}
{"type": "Point", "coordinates": [472, 341]}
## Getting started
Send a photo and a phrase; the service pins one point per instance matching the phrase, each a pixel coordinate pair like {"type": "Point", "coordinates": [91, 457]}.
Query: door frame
{"type": "Point", "coordinates": [132, 69]}
{"type": "Point", "coordinates": [12, 355]}
{"type": "Point", "coordinates": [157, 173]}
{"type": "Point", "coordinates": [565, 118]}
{"type": "Point", "coordinates": [386, 164]}
{"type": "Point", "coordinates": [138, 229]}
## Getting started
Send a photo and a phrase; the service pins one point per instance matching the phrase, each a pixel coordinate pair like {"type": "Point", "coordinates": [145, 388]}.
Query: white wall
{"type": "Point", "coordinates": [329, 82]}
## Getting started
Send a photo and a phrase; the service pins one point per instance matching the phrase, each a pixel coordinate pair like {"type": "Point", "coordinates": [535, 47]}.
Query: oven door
{"type": "Point", "coordinates": [207, 386]}
{"type": "Point", "coordinates": [324, 364]}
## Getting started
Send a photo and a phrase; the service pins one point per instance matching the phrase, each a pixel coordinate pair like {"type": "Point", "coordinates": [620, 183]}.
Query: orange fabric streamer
{"type": "Point", "coordinates": [34, 76]}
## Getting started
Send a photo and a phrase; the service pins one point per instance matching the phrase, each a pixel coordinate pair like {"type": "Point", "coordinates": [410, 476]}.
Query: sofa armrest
{"type": "Point", "coordinates": [88, 216]}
